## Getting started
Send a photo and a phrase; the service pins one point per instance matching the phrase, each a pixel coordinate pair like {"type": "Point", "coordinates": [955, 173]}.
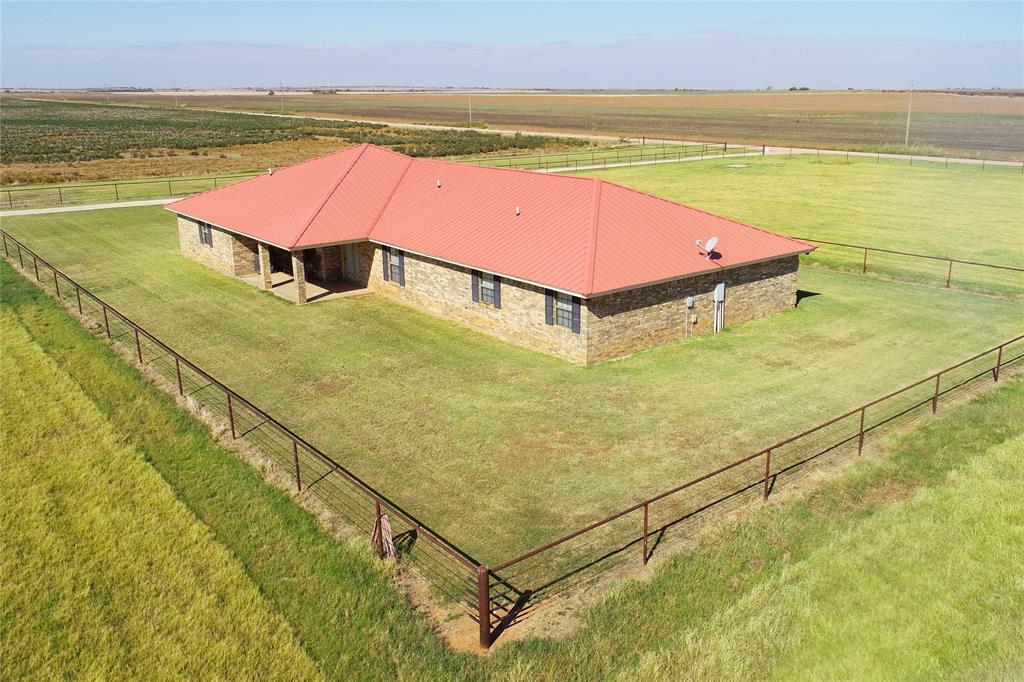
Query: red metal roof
{"type": "Point", "coordinates": [580, 235]}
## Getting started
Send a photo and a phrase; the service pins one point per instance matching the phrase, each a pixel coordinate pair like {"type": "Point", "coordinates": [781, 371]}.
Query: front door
{"type": "Point", "coordinates": [719, 307]}
{"type": "Point", "coordinates": [351, 262]}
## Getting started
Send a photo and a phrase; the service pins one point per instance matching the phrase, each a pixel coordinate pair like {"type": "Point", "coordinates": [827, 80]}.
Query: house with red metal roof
{"type": "Point", "coordinates": [581, 268]}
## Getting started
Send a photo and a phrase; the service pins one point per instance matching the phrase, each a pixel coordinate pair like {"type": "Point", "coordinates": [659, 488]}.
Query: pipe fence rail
{"type": "Point", "coordinates": [971, 275]}
{"type": "Point", "coordinates": [496, 597]}
{"type": "Point", "coordinates": [88, 193]}
{"type": "Point", "coordinates": [621, 156]}
{"type": "Point", "coordinates": [448, 569]}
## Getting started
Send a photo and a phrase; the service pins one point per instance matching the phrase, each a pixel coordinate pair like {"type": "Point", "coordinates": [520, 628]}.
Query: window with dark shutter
{"type": "Point", "coordinates": [564, 310]}
{"type": "Point", "coordinates": [487, 289]}
{"type": "Point", "coordinates": [474, 285]}
{"type": "Point", "coordinates": [385, 254]}
{"type": "Point", "coordinates": [549, 306]}
{"type": "Point", "coordinates": [401, 268]}
{"type": "Point", "coordinates": [575, 315]}
{"type": "Point", "coordinates": [497, 292]}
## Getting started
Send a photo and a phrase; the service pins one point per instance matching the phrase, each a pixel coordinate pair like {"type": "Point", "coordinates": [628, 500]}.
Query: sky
{"type": "Point", "coordinates": [686, 45]}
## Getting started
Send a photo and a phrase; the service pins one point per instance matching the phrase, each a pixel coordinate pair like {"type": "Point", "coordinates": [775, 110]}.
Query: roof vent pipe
{"type": "Point", "coordinates": [270, 171]}
{"type": "Point", "coordinates": [439, 183]}
{"type": "Point", "coordinates": [517, 210]}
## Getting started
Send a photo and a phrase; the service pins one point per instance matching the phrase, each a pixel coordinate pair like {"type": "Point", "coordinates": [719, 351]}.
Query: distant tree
{"type": "Point", "coordinates": [270, 92]}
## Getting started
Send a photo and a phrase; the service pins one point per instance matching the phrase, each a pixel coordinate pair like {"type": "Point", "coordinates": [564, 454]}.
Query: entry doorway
{"type": "Point", "coordinates": [351, 262]}
{"type": "Point", "coordinates": [719, 307]}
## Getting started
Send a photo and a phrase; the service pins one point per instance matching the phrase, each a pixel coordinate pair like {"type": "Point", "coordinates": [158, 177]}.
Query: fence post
{"type": "Point", "coordinates": [117, 197]}
{"type": "Point", "coordinates": [762, 150]}
{"type": "Point", "coordinates": [215, 182]}
{"type": "Point", "coordinates": [864, 267]}
{"type": "Point", "coordinates": [35, 265]}
{"type": "Point", "coordinates": [168, 188]}
{"type": "Point", "coordinates": [177, 370]}
{"type": "Point", "coordinates": [231, 413]}
{"type": "Point", "coordinates": [860, 438]}
{"type": "Point", "coordinates": [483, 606]}
{"type": "Point", "coordinates": [138, 346]}
{"type": "Point", "coordinates": [767, 471]}
{"type": "Point", "coordinates": [298, 475]}
{"type": "Point", "coordinates": [20, 261]}
{"type": "Point", "coordinates": [78, 297]}
{"type": "Point", "coordinates": [645, 533]}
{"type": "Point", "coordinates": [60, 196]}
{"type": "Point", "coordinates": [949, 273]}
{"type": "Point", "coordinates": [56, 283]}
{"type": "Point", "coordinates": [10, 200]}
{"type": "Point", "coordinates": [935, 397]}
{"type": "Point", "coordinates": [106, 321]}
{"type": "Point", "coordinates": [999, 362]}
{"type": "Point", "coordinates": [6, 252]}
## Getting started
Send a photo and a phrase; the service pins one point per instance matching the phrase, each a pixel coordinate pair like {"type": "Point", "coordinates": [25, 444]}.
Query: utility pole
{"type": "Point", "coordinates": [910, 103]}
{"type": "Point", "coordinates": [471, 107]}
{"type": "Point", "coordinates": [281, 90]}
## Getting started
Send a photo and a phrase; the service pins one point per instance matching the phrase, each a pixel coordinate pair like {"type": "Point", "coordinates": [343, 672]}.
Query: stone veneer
{"type": "Point", "coordinates": [230, 254]}
{"type": "Point", "coordinates": [625, 322]}
{"type": "Point", "coordinates": [611, 326]}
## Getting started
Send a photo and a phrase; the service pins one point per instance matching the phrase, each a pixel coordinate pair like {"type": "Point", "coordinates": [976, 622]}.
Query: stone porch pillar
{"type": "Point", "coordinates": [265, 265]}
{"type": "Point", "coordinates": [299, 273]}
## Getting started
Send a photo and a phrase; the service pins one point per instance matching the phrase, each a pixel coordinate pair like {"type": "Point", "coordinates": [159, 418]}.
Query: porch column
{"type": "Point", "coordinates": [299, 273]}
{"type": "Point", "coordinates": [265, 265]}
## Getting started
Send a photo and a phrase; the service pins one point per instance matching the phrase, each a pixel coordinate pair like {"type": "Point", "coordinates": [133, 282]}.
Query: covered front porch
{"type": "Point", "coordinates": [306, 275]}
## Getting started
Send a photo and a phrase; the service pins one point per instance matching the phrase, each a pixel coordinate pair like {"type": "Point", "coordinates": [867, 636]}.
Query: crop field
{"type": "Point", "coordinates": [396, 396]}
{"type": "Point", "coordinates": [981, 126]}
{"type": "Point", "coordinates": [54, 137]}
{"type": "Point", "coordinates": [919, 539]}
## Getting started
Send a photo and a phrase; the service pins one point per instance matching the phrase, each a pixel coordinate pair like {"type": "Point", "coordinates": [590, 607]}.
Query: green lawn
{"type": "Point", "coordinates": [960, 212]}
{"type": "Point", "coordinates": [903, 566]}
{"type": "Point", "coordinates": [106, 573]}
{"type": "Point", "coordinates": [496, 447]}
{"type": "Point", "coordinates": [65, 193]}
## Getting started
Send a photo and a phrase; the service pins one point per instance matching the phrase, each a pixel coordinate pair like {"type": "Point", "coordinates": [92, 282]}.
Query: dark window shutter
{"type": "Point", "coordinates": [385, 253]}
{"type": "Point", "coordinates": [575, 315]}
{"type": "Point", "coordinates": [401, 268]}
{"type": "Point", "coordinates": [202, 234]}
{"type": "Point", "coordinates": [475, 285]}
{"type": "Point", "coordinates": [497, 292]}
{"type": "Point", "coordinates": [549, 306]}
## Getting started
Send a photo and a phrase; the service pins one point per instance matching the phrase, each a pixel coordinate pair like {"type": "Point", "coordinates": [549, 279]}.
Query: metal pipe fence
{"type": "Point", "coordinates": [447, 568]}
{"type": "Point", "coordinates": [496, 597]}
{"type": "Point", "coordinates": [73, 194]}
{"type": "Point", "coordinates": [979, 277]}
{"type": "Point", "coordinates": [616, 157]}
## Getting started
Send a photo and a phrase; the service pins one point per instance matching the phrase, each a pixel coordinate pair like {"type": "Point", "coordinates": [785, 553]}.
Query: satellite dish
{"type": "Point", "coordinates": [712, 243]}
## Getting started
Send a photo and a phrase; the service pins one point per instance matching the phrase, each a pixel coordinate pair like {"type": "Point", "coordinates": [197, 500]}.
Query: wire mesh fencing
{"type": "Point", "coordinates": [449, 571]}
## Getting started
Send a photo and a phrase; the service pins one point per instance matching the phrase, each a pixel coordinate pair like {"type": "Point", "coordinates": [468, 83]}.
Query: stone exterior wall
{"type": "Point", "coordinates": [230, 254]}
{"type": "Point", "coordinates": [446, 290]}
{"type": "Point", "coordinates": [628, 321]}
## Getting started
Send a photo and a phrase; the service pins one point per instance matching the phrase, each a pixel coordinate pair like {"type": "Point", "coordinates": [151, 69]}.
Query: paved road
{"type": "Point", "coordinates": [87, 207]}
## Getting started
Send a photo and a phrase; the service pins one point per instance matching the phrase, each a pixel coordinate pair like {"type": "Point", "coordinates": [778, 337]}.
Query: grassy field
{"type": "Point", "coordinates": [47, 141]}
{"type": "Point", "coordinates": [962, 212]}
{"type": "Point", "coordinates": [980, 126]}
{"type": "Point", "coordinates": [106, 573]}
{"type": "Point", "coordinates": [396, 394]}
{"type": "Point", "coordinates": [901, 566]}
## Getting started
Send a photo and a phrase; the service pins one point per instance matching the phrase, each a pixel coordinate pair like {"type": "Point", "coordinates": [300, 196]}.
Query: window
{"type": "Point", "coordinates": [563, 310]}
{"type": "Point", "coordinates": [205, 234]}
{"type": "Point", "coordinates": [487, 289]}
{"type": "Point", "coordinates": [395, 266]}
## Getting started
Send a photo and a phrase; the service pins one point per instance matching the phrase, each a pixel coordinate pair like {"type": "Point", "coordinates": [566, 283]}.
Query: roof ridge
{"type": "Point", "coordinates": [391, 195]}
{"type": "Point", "coordinates": [709, 213]}
{"type": "Point", "coordinates": [330, 194]}
{"type": "Point", "coordinates": [589, 273]}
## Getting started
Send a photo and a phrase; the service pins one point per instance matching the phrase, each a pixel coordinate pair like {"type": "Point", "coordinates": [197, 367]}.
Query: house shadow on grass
{"type": "Point", "coordinates": [801, 295]}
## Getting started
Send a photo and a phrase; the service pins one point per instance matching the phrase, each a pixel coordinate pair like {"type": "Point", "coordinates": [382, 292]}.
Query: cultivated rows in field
{"type": "Point", "coordinates": [982, 127]}
{"type": "Point", "coordinates": [46, 132]}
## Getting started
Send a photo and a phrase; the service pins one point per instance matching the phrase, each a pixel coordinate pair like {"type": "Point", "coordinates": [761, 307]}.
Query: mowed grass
{"type": "Point", "coordinates": [499, 448]}
{"type": "Point", "coordinates": [959, 212]}
{"type": "Point", "coordinates": [106, 573]}
{"type": "Point", "coordinates": [904, 565]}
